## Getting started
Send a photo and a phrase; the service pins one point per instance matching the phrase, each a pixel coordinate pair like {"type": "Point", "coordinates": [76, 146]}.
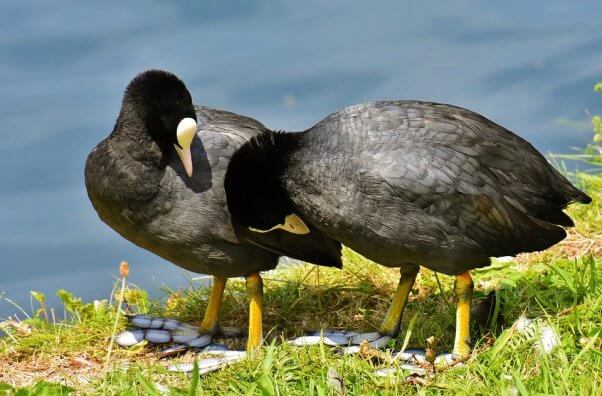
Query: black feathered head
{"type": "Point", "coordinates": [162, 100]}
{"type": "Point", "coordinates": [255, 195]}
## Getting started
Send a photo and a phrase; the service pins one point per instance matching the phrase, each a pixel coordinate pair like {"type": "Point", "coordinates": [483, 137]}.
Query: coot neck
{"type": "Point", "coordinates": [135, 133]}
{"type": "Point", "coordinates": [256, 179]}
{"type": "Point", "coordinates": [278, 149]}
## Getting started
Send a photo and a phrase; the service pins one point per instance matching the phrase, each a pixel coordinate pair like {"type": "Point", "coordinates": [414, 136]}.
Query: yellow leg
{"type": "Point", "coordinates": [463, 288]}
{"type": "Point", "coordinates": [255, 292]}
{"type": "Point", "coordinates": [209, 324]}
{"type": "Point", "coordinates": [392, 321]}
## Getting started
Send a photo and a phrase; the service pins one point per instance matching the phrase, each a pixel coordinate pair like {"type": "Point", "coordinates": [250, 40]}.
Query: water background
{"type": "Point", "coordinates": [528, 65]}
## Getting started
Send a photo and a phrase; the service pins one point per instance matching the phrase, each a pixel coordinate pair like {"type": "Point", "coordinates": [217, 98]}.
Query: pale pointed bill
{"type": "Point", "coordinates": [185, 132]}
{"type": "Point", "coordinates": [292, 223]}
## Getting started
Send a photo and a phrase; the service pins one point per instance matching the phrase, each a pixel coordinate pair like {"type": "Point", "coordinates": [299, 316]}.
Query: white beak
{"type": "Point", "coordinates": [185, 133]}
{"type": "Point", "coordinates": [292, 224]}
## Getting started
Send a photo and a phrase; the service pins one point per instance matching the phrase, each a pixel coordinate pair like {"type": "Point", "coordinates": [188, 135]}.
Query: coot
{"type": "Point", "coordinates": [407, 183]}
{"type": "Point", "coordinates": [158, 181]}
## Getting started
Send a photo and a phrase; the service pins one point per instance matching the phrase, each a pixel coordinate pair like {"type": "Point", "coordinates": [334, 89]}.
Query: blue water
{"type": "Point", "coordinates": [529, 65]}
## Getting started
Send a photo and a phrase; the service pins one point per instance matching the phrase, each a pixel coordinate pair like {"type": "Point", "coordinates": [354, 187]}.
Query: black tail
{"type": "Point", "coordinates": [562, 194]}
{"type": "Point", "coordinates": [567, 193]}
{"type": "Point", "coordinates": [513, 231]}
{"type": "Point", "coordinates": [575, 195]}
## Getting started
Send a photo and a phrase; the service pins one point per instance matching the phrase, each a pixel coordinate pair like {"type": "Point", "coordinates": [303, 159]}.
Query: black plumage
{"type": "Point", "coordinates": [483, 313]}
{"type": "Point", "coordinates": [137, 185]}
{"type": "Point", "coordinates": [406, 182]}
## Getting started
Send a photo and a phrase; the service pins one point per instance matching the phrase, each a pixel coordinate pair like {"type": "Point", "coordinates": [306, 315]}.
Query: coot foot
{"type": "Point", "coordinates": [344, 339]}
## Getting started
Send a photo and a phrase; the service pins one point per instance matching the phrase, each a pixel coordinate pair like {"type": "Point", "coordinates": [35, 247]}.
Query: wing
{"type": "Point", "coordinates": [453, 187]}
{"type": "Point", "coordinates": [220, 134]}
{"type": "Point", "coordinates": [455, 167]}
{"type": "Point", "coordinates": [464, 137]}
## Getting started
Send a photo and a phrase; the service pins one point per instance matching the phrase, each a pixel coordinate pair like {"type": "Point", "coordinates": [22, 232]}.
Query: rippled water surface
{"type": "Point", "coordinates": [527, 65]}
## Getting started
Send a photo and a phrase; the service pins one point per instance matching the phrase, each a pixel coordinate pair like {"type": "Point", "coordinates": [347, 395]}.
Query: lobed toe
{"type": "Point", "coordinates": [129, 338]}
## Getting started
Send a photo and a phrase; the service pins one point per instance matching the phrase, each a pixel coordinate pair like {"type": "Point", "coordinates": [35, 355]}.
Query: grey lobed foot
{"type": "Point", "coordinates": [162, 331]}
{"type": "Point", "coordinates": [183, 337]}
{"type": "Point", "coordinates": [406, 368]}
{"type": "Point", "coordinates": [410, 355]}
{"type": "Point", "coordinates": [177, 349]}
{"type": "Point", "coordinates": [130, 338]}
{"type": "Point", "coordinates": [229, 332]}
{"type": "Point", "coordinates": [156, 336]}
{"type": "Point", "coordinates": [358, 339]}
{"type": "Point", "coordinates": [414, 360]}
{"type": "Point", "coordinates": [419, 356]}
{"type": "Point", "coordinates": [346, 339]}
{"type": "Point", "coordinates": [222, 359]}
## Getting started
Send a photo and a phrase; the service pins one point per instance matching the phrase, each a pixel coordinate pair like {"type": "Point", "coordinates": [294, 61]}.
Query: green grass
{"type": "Point", "coordinates": [561, 287]}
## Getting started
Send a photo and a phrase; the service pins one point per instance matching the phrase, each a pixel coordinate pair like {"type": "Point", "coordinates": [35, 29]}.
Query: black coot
{"type": "Point", "coordinates": [407, 183]}
{"type": "Point", "coordinates": [158, 181]}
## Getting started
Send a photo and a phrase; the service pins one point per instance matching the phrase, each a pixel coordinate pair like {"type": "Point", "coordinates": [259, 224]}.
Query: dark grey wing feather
{"type": "Point", "coordinates": [455, 167]}
{"type": "Point", "coordinates": [220, 134]}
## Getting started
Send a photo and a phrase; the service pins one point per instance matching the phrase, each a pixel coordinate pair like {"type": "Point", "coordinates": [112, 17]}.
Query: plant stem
{"type": "Point", "coordinates": [120, 299]}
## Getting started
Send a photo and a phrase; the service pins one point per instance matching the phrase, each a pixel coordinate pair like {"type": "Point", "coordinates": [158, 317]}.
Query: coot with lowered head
{"type": "Point", "coordinates": [407, 183]}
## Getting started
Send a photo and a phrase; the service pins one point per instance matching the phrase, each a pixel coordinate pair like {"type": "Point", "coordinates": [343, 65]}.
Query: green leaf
{"type": "Point", "coordinates": [508, 283]}
{"type": "Point", "coordinates": [194, 384]}
{"type": "Point", "coordinates": [72, 304]}
{"type": "Point", "coordinates": [593, 278]}
{"type": "Point", "coordinates": [522, 390]}
{"type": "Point", "coordinates": [268, 361]}
{"type": "Point", "coordinates": [568, 278]}
{"type": "Point", "coordinates": [501, 342]}
{"type": "Point", "coordinates": [406, 339]}
{"type": "Point", "coordinates": [148, 387]}
{"type": "Point", "coordinates": [43, 388]}
{"type": "Point", "coordinates": [4, 387]}
{"type": "Point", "coordinates": [39, 297]}
{"type": "Point", "coordinates": [265, 385]}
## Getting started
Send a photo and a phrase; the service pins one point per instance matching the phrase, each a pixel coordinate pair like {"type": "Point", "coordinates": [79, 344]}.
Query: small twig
{"type": "Point", "coordinates": [319, 290]}
{"type": "Point", "coordinates": [12, 337]}
{"type": "Point", "coordinates": [18, 307]}
{"type": "Point", "coordinates": [447, 304]}
{"type": "Point", "coordinates": [124, 271]}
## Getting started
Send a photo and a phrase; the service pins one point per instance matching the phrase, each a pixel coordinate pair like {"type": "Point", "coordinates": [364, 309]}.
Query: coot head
{"type": "Point", "coordinates": [255, 195]}
{"type": "Point", "coordinates": [163, 102]}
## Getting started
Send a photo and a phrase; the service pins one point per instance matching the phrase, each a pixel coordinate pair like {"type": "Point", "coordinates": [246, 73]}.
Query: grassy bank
{"type": "Point", "coordinates": [561, 287]}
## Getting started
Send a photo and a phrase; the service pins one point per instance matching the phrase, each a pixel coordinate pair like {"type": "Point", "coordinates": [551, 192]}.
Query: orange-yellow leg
{"type": "Point", "coordinates": [392, 321]}
{"type": "Point", "coordinates": [255, 292]}
{"type": "Point", "coordinates": [463, 289]}
{"type": "Point", "coordinates": [209, 324]}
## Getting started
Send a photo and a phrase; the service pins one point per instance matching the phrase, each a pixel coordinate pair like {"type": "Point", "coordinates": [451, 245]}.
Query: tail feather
{"type": "Point", "coordinates": [555, 216]}
{"type": "Point", "coordinates": [561, 193]}
{"type": "Point", "coordinates": [517, 231]}
{"type": "Point", "coordinates": [580, 196]}
{"type": "Point", "coordinates": [540, 234]}
{"type": "Point", "coordinates": [566, 191]}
